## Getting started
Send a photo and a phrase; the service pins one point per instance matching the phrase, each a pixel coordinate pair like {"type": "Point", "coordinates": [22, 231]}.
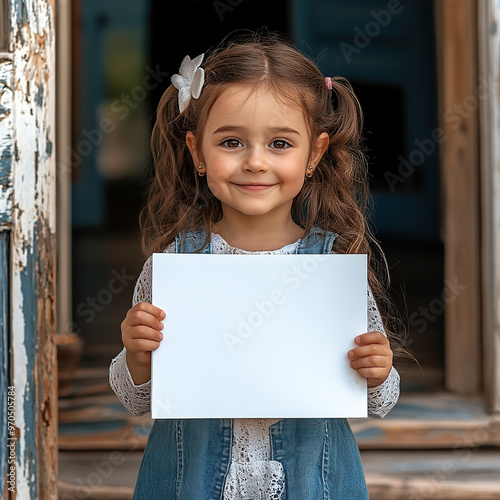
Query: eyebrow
{"type": "Point", "coordinates": [236, 128]}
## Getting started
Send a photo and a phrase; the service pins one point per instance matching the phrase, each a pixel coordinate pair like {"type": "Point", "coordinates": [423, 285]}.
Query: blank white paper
{"type": "Point", "coordinates": [258, 336]}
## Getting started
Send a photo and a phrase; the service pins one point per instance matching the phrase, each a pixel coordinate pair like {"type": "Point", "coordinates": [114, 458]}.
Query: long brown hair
{"type": "Point", "coordinates": [336, 198]}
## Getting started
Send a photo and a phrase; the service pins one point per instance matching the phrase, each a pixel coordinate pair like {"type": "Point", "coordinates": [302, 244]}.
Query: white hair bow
{"type": "Point", "coordinates": [190, 81]}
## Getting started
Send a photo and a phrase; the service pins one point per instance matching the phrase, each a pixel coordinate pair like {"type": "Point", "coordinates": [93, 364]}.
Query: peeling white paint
{"type": "Point", "coordinates": [34, 123]}
{"type": "Point", "coordinates": [32, 48]}
{"type": "Point", "coordinates": [5, 132]}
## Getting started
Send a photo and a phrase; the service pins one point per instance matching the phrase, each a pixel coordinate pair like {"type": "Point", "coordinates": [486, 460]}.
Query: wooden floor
{"type": "Point", "coordinates": [390, 474]}
{"type": "Point", "coordinates": [431, 445]}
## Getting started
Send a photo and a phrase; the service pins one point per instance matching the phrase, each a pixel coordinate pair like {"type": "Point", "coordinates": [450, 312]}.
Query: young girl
{"type": "Point", "coordinates": [255, 153]}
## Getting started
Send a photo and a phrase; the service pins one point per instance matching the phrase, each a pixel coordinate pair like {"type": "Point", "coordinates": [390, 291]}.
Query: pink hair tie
{"type": "Point", "coordinates": [328, 82]}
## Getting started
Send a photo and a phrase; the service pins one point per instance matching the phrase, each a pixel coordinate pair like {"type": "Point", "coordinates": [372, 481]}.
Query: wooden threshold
{"type": "Point", "coordinates": [434, 420]}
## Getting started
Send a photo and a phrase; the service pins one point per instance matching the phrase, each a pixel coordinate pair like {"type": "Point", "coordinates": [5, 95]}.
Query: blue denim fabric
{"type": "Point", "coordinates": [188, 459]}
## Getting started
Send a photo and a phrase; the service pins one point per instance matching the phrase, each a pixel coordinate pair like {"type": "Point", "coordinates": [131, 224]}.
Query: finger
{"type": "Point", "coordinates": [370, 350]}
{"type": "Point", "coordinates": [142, 345]}
{"type": "Point", "coordinates": [143, 332]}
{"type": "Point", "coordinates": [371, 362]}
{"type": "Point", "coordinates": [378, 374]}
{"type": "Point", "coordinates": [149, 308]}
{"type": "Point", "coordinates": [142, 358]}
{"type": "Point", "coordinates": [371, 338]}
{"type": "Point", "coordinates": [139, 318]}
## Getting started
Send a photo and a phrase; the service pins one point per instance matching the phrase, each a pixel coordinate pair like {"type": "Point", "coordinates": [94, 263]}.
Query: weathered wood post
{"type": "Point", "coordinates": [27, 227]}
{"type": "Point", "coordinates": [458, 84]}
{"type": "Point", "coordinates": [489, 69]}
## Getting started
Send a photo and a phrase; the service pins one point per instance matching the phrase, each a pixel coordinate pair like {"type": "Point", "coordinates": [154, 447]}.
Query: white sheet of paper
{"type": "Point", "coordinates": [258, 336]}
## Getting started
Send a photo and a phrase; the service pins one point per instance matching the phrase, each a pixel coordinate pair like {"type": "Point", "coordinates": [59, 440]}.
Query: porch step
{"type": "Point", "coordinates": [463, 474]}
{"type": "Point", "coordinates": [94, 419]}
{"type": "Point", "coordinates": [430, 421]}
{"type": "Point", "coordinates": [98, 475]}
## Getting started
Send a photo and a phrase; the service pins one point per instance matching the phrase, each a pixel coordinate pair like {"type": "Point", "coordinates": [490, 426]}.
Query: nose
{"type": "Point", "coordinates": [255, 161]}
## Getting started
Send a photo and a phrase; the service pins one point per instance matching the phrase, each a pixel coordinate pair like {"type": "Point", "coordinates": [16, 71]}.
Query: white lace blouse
{"type": "Point", "coordinates": [252, 475]}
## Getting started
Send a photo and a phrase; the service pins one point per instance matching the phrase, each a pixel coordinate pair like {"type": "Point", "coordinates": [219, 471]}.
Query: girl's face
{"type": "Point", "coordinates": [255, 152]}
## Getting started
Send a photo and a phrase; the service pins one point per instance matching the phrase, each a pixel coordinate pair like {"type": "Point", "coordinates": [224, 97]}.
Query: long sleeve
{"type": "Point", "coordinates": [381, 399]}
{"type": "Point", "coordinates": [136, 398]}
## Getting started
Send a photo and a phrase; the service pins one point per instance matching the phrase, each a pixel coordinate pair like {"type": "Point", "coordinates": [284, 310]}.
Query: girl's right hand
{"type": "Point", "coordinates": [140, 335]}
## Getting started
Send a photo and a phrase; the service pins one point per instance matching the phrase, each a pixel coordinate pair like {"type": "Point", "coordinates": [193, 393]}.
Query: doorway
{"type": "Point", "coordinates": [388, 52]}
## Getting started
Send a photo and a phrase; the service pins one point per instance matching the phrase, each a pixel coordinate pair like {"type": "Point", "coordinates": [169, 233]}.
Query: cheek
{"type": "Point", "coordinates": [298, 184]}
{"type": "Point", "coordinates": [294, 176]}
{"type": "Point", "coordinates": [213, 185]}
{"type": "Point", "coordinates": [216, 178]}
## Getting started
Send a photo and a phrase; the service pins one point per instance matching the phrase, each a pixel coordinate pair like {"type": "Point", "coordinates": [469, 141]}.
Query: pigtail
{"type": "Point", "coordinates": [351, 172]}
{"type": "Point", "coordinates": [337, 194]}
{"type": "Point", "coordinates": [174, 190]}
{"type": "Point", "coordinates": [337, 197]}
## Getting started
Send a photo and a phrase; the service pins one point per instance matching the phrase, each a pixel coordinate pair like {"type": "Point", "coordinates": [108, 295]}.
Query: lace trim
{"type": "Point", "coordinates": [375, 323]}
{"type": "Point", "coordinates": [221, 246]}
{"type": "Point", "coordinates": [255, 481]}
{"type": "Point", "coordinates": [381, 399]}
{"type": "Point", "coordinates": [252, 438]}
{"type": "Point", "coordinates": [136, 398]}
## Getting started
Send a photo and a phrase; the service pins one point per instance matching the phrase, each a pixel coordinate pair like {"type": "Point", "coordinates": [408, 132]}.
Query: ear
{"type": "Point", "coordinates": [319, 148]}
{"type": "Point", "coordinates": [191, 144]}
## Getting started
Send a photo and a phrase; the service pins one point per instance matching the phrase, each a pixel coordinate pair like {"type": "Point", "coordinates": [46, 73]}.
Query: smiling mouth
{"type": "Point", "coordinates": [255, 187]}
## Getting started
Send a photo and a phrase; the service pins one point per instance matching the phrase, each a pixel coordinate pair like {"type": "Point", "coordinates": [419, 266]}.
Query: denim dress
{"type": "Point", "coordinates": [188, 459]}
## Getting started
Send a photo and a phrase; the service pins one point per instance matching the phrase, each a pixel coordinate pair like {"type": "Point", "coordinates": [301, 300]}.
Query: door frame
{"type": "Point", "coordinates": [489, 115]}
{"type": "Point", "coordinates": [457, 52]}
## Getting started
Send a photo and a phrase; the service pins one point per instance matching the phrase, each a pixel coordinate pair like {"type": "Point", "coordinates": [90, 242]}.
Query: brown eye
{"type": "Point", "coordinates": [231, 143]}
{"type": "Point", "coordinates": [280, 144]}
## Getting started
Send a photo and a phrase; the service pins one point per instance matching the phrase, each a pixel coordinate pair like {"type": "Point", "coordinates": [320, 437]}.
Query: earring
{"type": "Point", "coordinates": [310, 173]}
{"type": "Point", "coordinates": [201, 174]}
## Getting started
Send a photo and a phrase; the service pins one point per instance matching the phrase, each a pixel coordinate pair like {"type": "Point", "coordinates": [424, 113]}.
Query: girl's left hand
{"type": "Point", "coordinates": [373, 357]}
